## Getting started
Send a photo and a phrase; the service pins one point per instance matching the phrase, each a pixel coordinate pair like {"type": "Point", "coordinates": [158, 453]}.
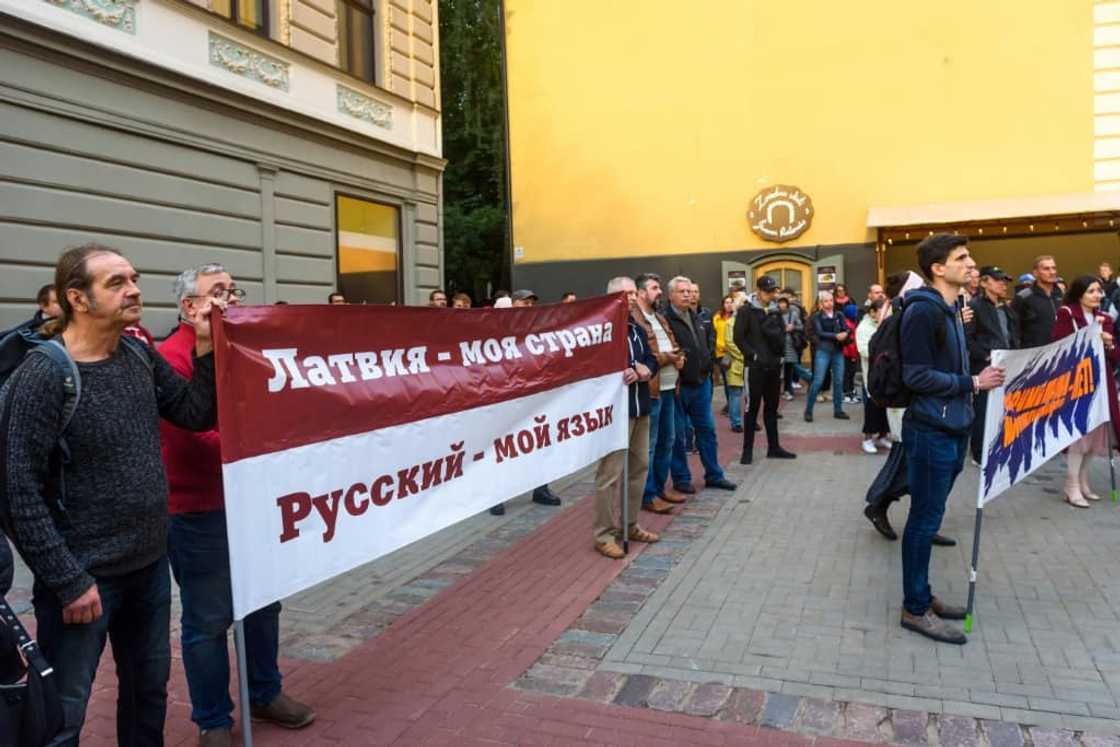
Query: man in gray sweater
{"type": "Point", "coordinates": [100, 563]}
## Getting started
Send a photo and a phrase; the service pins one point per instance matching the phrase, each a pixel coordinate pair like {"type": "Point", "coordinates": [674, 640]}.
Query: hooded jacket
{"type": "Point", "coordinates": [698, 356]}
{"type": "Point", "coordinates": [1036, 312]}
{"type": "Point", "coordinates": [760, 333]}
{"type": "Point", "coordinates": [935, 364]}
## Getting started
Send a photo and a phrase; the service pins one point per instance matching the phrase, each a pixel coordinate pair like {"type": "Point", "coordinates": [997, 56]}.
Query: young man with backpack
{"type": "Point", "coordinates": [935, 429]}
{"type": "Point", "coordinates": [85, 499]}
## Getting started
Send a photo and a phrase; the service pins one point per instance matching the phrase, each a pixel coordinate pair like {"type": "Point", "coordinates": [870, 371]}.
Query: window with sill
{"type": "Point", "coordinates": [250, 14]}
{"type": "Point", "coordinates": [357, 39]}
{"type": "Point", "coordinates": [369, 251]}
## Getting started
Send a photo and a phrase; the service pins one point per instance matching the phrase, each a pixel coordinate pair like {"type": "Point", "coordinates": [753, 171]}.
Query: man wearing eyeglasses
{"type": "Point", "coordinates": [199, 552]}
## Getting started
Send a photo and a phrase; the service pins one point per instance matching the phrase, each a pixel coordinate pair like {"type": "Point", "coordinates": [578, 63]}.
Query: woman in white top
{"type": "Point", "coordinates": [875, 426]}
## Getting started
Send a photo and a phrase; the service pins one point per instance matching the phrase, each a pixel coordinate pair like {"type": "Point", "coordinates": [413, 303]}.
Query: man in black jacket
{"type": "Point", "coordinates": [1037, 305]}
{"type": "Point", "coordinates": [695, 395]}
{"type": "Point", "coordinates": [993, 327]}
{"type": "Point", "coordinates": [760, 333]}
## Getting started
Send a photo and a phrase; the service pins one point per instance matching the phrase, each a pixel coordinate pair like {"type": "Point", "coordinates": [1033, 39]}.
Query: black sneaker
{"type": "Point", "coordinates": [746, 458]}
{"type": "Point", "coordinates": [720, 484]}
{"type": "Point", "coordinates": [879, 520]}
{"type": "Point", "coordinates": [545, 497]}
{"type": "Point", "coordinates": [942, 541]}
{"type": "Point", "coordinates": [780, 454]}
{"type": "Point", "coordinates": [686, 489]}
{"type": "Point", "coordinates": [498, 510]}
{"type": "Point", "coordinates": [808, 417]}
{"type": "Point", "coordinates": [841, 416]}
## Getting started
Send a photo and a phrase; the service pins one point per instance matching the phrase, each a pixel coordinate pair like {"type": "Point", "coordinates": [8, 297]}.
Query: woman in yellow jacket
{"type": "Point", "coordinates": [734, 374]}
{"type": "Point", "coordinates": [720, 322]}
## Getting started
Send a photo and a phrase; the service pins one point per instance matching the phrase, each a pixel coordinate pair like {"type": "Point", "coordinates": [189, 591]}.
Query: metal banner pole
{"type": "Point", "coordinates": [243, 683]}
{"type": "Point", "coordinates": [1111, 463]}
{"type": "Point", "coordinates": [626, 501]}
{"type": "Point", "coordinates": [972, 570]}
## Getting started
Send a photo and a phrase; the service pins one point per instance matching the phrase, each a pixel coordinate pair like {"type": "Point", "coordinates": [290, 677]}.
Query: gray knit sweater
{"type": "Point", "coordinates": [116, 490]}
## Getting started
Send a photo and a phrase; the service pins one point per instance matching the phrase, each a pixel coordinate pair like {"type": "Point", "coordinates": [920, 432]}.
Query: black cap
{"type": "Point", "coordinates": [767, 283]}
{"type": "Point", "coordinates": [992, 271]}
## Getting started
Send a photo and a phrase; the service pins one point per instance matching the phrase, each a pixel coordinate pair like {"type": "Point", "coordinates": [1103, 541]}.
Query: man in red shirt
{"type": "Point", "coordinates": [199, 553]}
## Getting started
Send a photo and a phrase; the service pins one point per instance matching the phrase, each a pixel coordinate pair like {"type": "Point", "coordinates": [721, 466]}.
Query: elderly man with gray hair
{"type": "Point", "coordinates": [694, 399]}
{"type": "Point", "coordinates": [641, 364]}
{"type": "Point", "coordinates": [199, 553]}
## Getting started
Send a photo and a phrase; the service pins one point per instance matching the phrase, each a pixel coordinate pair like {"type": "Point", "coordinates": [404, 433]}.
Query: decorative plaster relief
{"type": "Point", "coordinates": [116, 14]}
{"type": "Point", "coordinates": [360, 106]}
{"type": "Point", "coordinates": [248, 63]}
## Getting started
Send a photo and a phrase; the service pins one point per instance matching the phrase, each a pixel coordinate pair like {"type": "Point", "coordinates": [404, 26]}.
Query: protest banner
{"type": "Point", "coordinates": [348, 432]}
{"type": "Point", "coordinates": [1052, 396]}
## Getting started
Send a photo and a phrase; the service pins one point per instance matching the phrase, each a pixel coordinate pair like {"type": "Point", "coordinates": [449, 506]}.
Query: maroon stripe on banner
{"type": "Point", "coordinates": [295, 375]}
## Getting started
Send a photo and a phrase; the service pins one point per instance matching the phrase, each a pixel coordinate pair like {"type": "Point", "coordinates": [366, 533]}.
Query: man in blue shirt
{"type": "Point", "coordinates": [936, 426]}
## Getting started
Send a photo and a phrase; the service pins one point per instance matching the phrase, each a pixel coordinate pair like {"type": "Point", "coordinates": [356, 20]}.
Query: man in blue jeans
{"type": "Point", "coordinates": [662, 390]}
{"type": "Point", "coordinates": [936, 425]}
{"type": "Point", "coordinates": [199, 554]}
{"type": "Point", "coordinates": [99, 552]}
{"type": "Point", "coordinates": [694, 397]}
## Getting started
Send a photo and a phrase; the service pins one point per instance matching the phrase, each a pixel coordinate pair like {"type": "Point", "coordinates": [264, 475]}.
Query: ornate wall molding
{"type": "Point", "coordinates": [358, 105]}
{"type": "Point", "coordinates": [116, 14]}
{"type": "Point", "coordinates": [248, 63]}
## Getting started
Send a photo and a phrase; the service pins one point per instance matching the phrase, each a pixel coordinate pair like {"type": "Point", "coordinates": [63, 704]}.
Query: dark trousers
{"type": "Point", "coordinates": [765, 386]}
{"type": "Point", "coordinates": [199, 552]}
{"type": "Point", "coordinates": [976, 440]}
{"type": "Point", "coordinates": [850, 368]}
{"type": "Point", "coordinates": [934, 459]}
{"type": "Point", "coordinates": [135, 617]}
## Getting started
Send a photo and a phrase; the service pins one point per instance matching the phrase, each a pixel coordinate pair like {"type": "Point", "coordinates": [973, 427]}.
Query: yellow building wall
{"type": "Point", "coordinates": [644, 128]}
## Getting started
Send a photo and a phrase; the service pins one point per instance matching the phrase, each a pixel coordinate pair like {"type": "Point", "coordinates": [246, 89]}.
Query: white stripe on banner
{"type": "Point", "coordinates": [301, 516]}
{"type": "Point", "coordinates": [1052, 396]}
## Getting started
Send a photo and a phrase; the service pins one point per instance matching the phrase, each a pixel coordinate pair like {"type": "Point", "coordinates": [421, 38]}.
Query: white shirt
{"type": "Point", "coordinates": [669, 373]}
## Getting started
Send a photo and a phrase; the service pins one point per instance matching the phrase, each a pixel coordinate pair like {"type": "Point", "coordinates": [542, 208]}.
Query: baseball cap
{"type": "Point", "coordinates": [767, 283]}
{"type": "Point", "coordinates": [994, 271]}
{"type": "Point", "coordinates": [1026, 277]}
{"type": "Point", "coordinates": [521, 295]}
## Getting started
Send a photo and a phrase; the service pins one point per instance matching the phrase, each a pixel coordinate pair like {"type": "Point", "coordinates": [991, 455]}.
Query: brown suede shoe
{"type": "Point", "coordinates": [947, 611]}
{"type": "Point", "coordinates": [637, 534]}
{"type": "Point", "coordinates": [215, 738]}
{"type": "Point", "coordinates": [610, 549]}
{"type": "Point", "coordinates": [932, 626]}
{"type": "Point", "coordinates": [672, 498]}
{"type": "Point", "coordinates": [283, 711]}
{"type": "Point", "coordinates": [658, 506]}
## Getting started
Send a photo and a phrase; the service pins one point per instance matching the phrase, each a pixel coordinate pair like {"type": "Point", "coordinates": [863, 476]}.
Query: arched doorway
{"type": "Point", "coordinates": [789, 274]}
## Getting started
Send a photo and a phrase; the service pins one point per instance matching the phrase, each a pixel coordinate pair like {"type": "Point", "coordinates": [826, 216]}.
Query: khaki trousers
{"type": "Point", "coordinates": [608, 495]}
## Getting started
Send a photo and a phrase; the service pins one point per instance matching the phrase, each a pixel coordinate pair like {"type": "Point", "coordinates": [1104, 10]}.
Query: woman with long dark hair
{"type": "Point", "coordinates": [1081, 308]}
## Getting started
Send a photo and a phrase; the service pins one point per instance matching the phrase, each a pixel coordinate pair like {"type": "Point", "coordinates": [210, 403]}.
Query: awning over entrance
{"type": "Point", "coordinates": [1004, 218]}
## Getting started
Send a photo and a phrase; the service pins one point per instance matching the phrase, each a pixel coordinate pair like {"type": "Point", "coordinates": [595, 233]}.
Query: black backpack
{"type": "Point", "coordinates": [30, 709]}
{"type": "Point", "coordinates": [15, 346]}
{"type": "Point", "coordinates": [884, 361]}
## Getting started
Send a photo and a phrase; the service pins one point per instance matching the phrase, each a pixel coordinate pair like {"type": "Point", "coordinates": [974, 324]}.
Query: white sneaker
{"type": "Point", "coordinates": [869, 447]}
{"type": "Point", "coordinates": [797, 385]}
{"type": "Point", "coordinates": [885, 443]}
{"type": "Point", "coordinates": [974, 462]}
{"type": "Point", "coordinates": [787, 396]}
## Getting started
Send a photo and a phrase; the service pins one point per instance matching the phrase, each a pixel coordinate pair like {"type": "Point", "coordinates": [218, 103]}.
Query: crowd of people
{"type": "Point", "coordinates": [142, 429]}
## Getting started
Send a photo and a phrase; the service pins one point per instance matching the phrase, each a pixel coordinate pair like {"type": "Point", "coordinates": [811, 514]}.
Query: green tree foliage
{"type": "Point", "coordinates": [474, 209]}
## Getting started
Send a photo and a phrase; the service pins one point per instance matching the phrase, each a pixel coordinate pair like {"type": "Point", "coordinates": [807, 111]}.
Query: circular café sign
{"type": "Point", "coordinates": [780, 213]}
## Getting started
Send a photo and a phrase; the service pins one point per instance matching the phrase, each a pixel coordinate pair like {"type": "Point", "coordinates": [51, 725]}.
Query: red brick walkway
{"type": "Point", "coordinates": [441, 673]}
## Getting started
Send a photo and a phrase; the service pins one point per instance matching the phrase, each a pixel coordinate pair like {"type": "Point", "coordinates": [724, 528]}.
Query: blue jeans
{"type": "Point", "coordinates": [695, 404]}
{"type": "Point", "coordinates": [662, 435]}
{"type": "Point", "coordinates": [824, 360]}
{"type": "Point", "coordinates": [735, 405]}
{"type": "Point", "coordinates": [136, 617]}
{"type": "Point", "coordinates": [199, 553]}
{"type": "Point", "coordinates": [934, 459]}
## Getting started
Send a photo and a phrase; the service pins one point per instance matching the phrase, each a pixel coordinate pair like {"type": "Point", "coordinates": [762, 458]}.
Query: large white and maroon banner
{"type": "Point", "coordinates": [351, 431]}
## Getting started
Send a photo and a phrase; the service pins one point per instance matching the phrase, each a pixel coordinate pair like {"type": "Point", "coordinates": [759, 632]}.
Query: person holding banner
{"type": "Point", "coordinates": [199, 552]}
{"type": "Point", "coordinates": [642, 362]}
{"type": "Point", "coordinates": [937, 422]}
{"type": "Point", "coordinates": [1081, 308]}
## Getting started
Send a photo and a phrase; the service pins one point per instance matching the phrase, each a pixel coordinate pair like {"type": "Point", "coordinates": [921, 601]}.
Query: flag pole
{"type": "Point", "coordinates": [1111, 463]}
{"type": "Point", "coordinates": [626, 501]}
{"type": "Point", "coordinates": [243, 683]}
{"type": "Point", "coordinates": [968, 617]}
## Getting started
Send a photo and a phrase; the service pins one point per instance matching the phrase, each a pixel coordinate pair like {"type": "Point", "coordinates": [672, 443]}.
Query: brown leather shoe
{"type": "Point", "coordinates": [672, 498]}
{"type": "Point", "coordinates": [637, 534]}
{"type": "Point", "coordinates": [947, 611]}
{"type": "Point", "coordinates": [215, 738]}
{"type": "Point", "coordinates": [610, 549]}
{"type": "Point", "coordinates": [283, 711]}
{"type": "Point", "coordinates": [658, 506]}
{"type": "Point", "coordinates": [932, 626]}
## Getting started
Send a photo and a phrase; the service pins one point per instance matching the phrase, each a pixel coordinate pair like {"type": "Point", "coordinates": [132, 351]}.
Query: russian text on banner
{"type": "Point", "coordinates": [351, 431]}
{"type": "Point", "coordinates": [1052, 396]}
